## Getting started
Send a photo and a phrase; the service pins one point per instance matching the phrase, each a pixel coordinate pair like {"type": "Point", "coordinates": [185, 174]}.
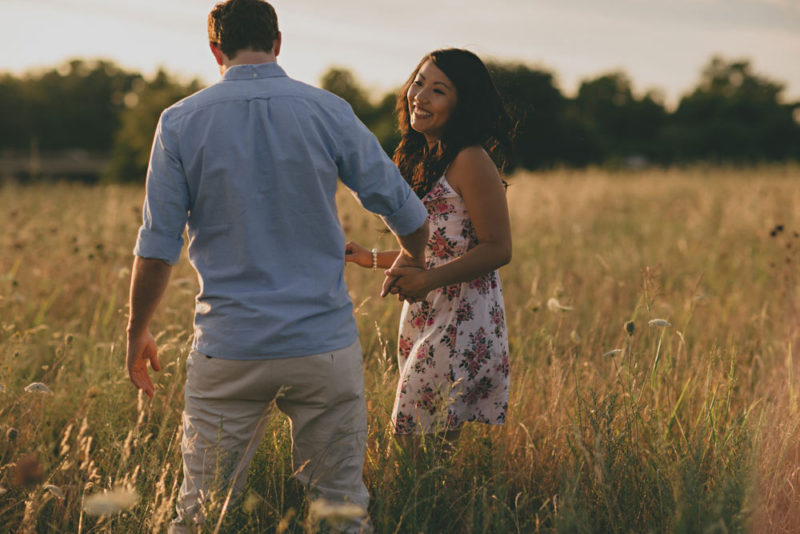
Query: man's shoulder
{"type": "Point", "coordinates": [281, 88]}
{"type": "Point", "coordinates": [295, 89]}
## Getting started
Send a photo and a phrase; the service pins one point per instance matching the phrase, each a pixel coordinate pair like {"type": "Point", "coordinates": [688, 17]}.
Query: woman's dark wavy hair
{"type": "Point", "coordinates": [479, 118]}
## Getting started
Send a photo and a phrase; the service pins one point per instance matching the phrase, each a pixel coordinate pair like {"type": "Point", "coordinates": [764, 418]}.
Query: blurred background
{"type": "Point", "coordinates": [618, 83]}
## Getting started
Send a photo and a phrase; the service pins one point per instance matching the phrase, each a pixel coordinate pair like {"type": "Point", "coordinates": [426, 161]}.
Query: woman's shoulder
{"type": "Point", "coordinates": [470, 155]}
{"type": "Point", "coordinates": [471, 164]}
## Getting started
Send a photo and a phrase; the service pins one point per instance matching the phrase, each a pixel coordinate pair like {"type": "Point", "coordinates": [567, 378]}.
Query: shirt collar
{"type": "Point", "coordinates": [256, 70]}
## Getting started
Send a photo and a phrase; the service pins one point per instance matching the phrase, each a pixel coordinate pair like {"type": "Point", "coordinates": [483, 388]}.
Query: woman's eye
{"type": "Point", "coordinates": [418, 83]}
{"type": "Point", "coordinates": [438, 91]}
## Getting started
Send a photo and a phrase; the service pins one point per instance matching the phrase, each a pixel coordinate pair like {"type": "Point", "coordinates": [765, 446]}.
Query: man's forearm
{"type": "Point", "coordinates": [148, 283]}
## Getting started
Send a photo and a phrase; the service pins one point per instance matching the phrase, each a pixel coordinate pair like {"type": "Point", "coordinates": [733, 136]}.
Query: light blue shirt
{"type": "Point", "coordinates": [251, 164]}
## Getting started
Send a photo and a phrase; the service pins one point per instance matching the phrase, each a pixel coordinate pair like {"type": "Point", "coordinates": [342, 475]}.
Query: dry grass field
{"type": "Point", "coordinates": [618, 422]}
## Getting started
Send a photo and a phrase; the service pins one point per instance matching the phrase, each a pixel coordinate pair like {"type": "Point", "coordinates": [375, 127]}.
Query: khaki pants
{"type": "Point", "coordinates": [227, 405]}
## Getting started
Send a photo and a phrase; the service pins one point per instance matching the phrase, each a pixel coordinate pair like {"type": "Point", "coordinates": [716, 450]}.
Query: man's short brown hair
{"type": "Point", "coordinates": [235, 25]}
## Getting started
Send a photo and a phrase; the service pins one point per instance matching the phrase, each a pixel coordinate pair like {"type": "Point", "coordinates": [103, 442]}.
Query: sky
{"type": "Point", "coordinates": [660, 44]}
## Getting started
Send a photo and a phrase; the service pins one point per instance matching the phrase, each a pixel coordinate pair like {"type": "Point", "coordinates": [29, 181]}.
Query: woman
{"type": "Point", "coordinates": [453, 346]}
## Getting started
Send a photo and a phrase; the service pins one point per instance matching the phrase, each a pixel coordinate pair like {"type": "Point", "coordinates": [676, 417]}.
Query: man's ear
{"type": "Point", "coordinates": [276, 44]}
{"type": "Point", "coordinates": [217, 53]}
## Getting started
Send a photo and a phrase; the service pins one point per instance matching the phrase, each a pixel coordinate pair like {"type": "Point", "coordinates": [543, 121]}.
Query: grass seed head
{"type": "Point", "coordinates": [110, 502]}
{"type": "Point", "coordinates": [630, 326]}
{"type": "Point", "coordinates": [575, 337]}
{"type": "Point", "coordinates": [659, 323]}
{"type": "Point", "coordinates": [554, 306]}
{"type": "Point", "coordinates": [613, 352]}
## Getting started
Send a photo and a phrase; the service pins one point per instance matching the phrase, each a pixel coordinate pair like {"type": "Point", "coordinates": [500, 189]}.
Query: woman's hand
{"type": "Point", "coordinates": [409, 283]}
{"type": "Point", "coordinates": [355, 253]}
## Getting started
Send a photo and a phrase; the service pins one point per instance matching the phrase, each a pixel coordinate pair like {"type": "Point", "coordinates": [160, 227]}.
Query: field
{"type": "Point", "coordinates": [689, 424]}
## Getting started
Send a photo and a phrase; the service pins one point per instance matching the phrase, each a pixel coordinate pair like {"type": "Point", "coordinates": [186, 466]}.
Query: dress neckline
{"type": "Point", "coordinates": [443, 180]}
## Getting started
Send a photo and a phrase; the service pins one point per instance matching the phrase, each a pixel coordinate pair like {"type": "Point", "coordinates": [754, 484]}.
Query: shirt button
{"type": "Point", "coordinates": [255, 75]}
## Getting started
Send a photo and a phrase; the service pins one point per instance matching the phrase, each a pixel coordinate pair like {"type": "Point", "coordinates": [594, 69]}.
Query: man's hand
{"type": "Point", "coordinates": [149, 279]}
{"type": "Point", "coordinates": [141, 349]}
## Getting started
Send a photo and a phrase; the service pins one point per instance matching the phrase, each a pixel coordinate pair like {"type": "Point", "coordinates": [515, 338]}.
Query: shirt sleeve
{"type": "Point", "coordinates": [166, 203]}
{"type": "Point", "coordinates": [366, 169]}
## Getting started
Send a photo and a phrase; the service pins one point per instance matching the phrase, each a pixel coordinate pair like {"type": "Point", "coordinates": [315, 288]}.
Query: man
{"type": "Point", "coordinates": [251, 165]}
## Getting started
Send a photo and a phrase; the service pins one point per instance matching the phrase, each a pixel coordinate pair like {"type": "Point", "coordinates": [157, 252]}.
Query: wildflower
{"type": "Point", "coordinates": [554, 306]}
{"type": "Point", "coordinates": [37, 387]}
{"type": "Point", "coordinates": [630, 327]}
{"type": "Point", "coordinates": [661, 323]}
{"type": "Point", "coordinates": [251, 502]}
{"type": "Point", "coordinates": [55, 490]}
{"type": "Point", "coordinates": [110, 502]}
{"type": "Point", "coordinates": [613, 352]}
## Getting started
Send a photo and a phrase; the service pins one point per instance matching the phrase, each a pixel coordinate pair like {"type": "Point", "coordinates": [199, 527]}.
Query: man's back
{"type": "Point", "coordinates": [254, 160]}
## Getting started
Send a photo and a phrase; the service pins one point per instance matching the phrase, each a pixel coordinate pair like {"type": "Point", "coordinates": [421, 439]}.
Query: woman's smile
{"type": "Point", "coordinates": [431, 99]}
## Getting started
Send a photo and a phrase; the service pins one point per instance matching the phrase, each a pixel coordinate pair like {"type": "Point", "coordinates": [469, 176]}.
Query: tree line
{"type": "Point", "coordinates": [734, 115]}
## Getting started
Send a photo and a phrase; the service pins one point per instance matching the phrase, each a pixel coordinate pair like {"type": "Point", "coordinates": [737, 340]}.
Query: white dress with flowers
{"type": "Point", "coordinates": [452, 346]}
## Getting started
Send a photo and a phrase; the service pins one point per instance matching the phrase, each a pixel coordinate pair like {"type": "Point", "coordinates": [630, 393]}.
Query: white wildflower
{"type": "Point", "coordinates": [555, 306]}
{"type": "Point", "coordinates": [37, 387]}
{"type": "Point", "coordinates": [660, 323]}
{"type": "Point", "coordinates": [612, 353]}
{"type": "Point", "coordinates": [55, 490]}
{"type": "Point", "coordinates": [110, 502]}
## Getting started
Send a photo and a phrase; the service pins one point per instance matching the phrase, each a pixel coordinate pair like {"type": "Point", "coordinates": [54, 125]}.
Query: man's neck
{"type": "Point", "coordinates": [247, 57]}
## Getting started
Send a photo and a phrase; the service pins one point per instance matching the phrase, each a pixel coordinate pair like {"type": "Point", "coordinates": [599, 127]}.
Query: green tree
{"type": "Point", "coordinates": [617, 123]}
{"type": "Point", "coordinates": [76, 105]}
{"type": "Point", "coordinates": [543, 137]}
{"type": "Point", "coordinates": [15, 131]}
{"type": "Point", "coordinates": [134, 138]}
{"type": "Point", "coordinates": [733, 115]}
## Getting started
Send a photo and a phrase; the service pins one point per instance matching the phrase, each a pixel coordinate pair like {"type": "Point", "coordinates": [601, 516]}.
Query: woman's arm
{"type": "Point", "coordinates": [474, 176]}
{"type": "Point", "coordinates": [355, 253]}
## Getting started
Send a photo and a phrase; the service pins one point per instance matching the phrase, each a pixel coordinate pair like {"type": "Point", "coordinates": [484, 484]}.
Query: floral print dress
{"type": "Point", "coordinates": [452, 346]}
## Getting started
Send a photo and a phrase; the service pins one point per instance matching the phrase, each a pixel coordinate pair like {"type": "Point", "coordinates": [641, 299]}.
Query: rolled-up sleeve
{"type": "Point", "coordinates": [366, 169]}
{"type": "Point", "coordinates": [166, 203]}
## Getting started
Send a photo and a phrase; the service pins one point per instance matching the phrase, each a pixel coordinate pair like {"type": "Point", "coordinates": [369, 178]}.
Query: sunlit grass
{"type": "Point", "coordinates": [653, 324]}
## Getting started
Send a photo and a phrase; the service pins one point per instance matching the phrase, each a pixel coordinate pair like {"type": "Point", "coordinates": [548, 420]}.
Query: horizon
{"type": "Point", "coordinates": [661, 46]}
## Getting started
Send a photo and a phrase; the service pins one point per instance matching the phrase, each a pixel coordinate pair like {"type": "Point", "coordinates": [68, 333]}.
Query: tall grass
{"type": "Point", "coordinates": [686, 427]}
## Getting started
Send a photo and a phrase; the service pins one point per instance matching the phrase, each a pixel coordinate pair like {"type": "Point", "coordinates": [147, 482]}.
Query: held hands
{"type": "Point", "coordinates": [406, 278]}
{"type": "Point", "coordinates": [141, 349]}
